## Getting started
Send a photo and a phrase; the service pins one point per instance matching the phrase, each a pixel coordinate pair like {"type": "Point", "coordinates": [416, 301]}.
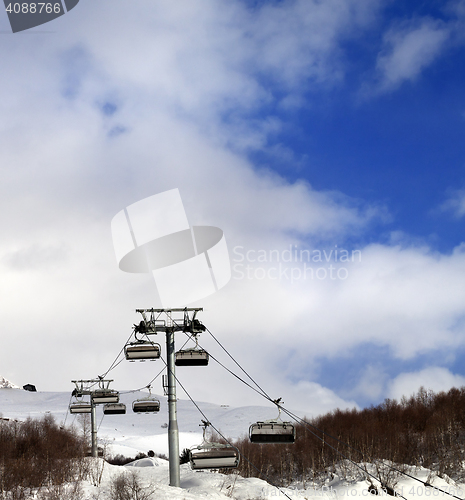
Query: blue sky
{"type": "Point", "coordinates": [292, 124]}
{"type": "Point", "coordinates": [402, 148]}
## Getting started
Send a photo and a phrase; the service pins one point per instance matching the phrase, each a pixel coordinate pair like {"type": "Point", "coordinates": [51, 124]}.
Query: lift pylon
{"type": "Point", "coordinates": [102, 394]}
{"type": "Point", "coordinates": [169, 321]}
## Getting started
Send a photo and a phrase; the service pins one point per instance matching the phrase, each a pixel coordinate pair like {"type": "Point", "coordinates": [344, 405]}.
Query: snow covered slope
{"type": "Point", "coordinates": [153, 476]}
{"type": "Point", "coordinates": [131, 433]}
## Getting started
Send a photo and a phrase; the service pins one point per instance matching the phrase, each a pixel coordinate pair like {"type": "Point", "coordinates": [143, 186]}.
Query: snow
{"type": "Point", "coordinates": [147, 462]}
{"type": "Point", "coordinates": [199, 484]}
{"type": "Point", "coordinates": [6, 384]}
{"type": "Point", "coordinates": [216, 486]}
{"type": "Point", "coordinates": [131, 433]}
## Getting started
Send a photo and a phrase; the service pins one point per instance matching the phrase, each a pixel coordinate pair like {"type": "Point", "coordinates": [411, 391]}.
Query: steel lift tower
{"type": "Point", "coordinates": [99, 395]}
{"type": "Point", "coordinates": [170, 321]}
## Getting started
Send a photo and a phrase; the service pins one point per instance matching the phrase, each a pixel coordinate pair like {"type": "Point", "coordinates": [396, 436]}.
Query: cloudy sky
{"type": "Point", "coordinates": [325, 138]}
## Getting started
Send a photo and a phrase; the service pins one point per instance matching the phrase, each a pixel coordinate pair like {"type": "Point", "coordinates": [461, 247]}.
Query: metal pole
{"type": "Point", "coordinates": [173, 433]}
{"type": "Point", "coordinates": [93, 427]}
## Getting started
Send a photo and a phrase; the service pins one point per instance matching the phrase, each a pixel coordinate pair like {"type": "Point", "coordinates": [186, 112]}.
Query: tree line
{"type": "Point", "coordinates": [36, 453]}
{"type": "Point", "coordinates": [426, 429]}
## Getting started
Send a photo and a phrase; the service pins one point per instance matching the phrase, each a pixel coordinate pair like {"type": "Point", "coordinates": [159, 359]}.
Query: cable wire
{"type": "Point", "coordinates": [242, 369]}
{"type": "Point", "coordinates": [297, 419]}
{"type": "Point", "coordinates": [225, 439]}
{"type": "Point", "coordinates": [113, 365]}
{"type": "Point", "coordinates": [101, 420]}
{"type": "Point", "coordinates": [306, 424]}
{"type": "Point", "coordinates": [67, 411]}
{"type": "Point", "coordinates": [261, 392]}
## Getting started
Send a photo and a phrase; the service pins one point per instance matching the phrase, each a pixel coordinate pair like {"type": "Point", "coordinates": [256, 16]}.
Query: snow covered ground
{"type": "Point", "coordinates": [131, 433]}
{"type": "Point", "coordinates": [153, 474]}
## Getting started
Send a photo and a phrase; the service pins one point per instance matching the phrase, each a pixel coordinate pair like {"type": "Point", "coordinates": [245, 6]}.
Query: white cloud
{"type": "Point", "coordinates": [299, 40]}
{"type": "Point", "coordinates": [309, 395]}
{"type": "Point", "coordinates": [455, 204]}
{"type": "Point", "coordinates": [181, 79]}
{"type": "Point", "coordinates": [409, 49]}
{"type": "Point", "coordinates": [206, 61]}
{"type": "Point", "coordinates": [433, 378]}
{"type": "Point", "coordinates": [391, 298]}
{"type": "Point", "coordinates": [371, 384]}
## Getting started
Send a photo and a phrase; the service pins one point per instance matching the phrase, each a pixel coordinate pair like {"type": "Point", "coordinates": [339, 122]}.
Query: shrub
{"type": "Point", "coordinates": [127, 486]}
{"type": "Point", "coordinates": [426, 429]}
{"type": "Point", "coordinates": [37, 453]}
{"type": "Point", "coordinates": [184, 457]}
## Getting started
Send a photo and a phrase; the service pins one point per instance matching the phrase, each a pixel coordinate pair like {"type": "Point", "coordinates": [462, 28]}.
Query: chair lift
{"type": "Point", "coordinates": [80, 407]}
{"type": "Point", "coordinates": [194, 356]}
{"type": "Point", "coordinates": [114, 409]}
{"type": "Point", "coordinates": [146, 405]}
{"type": "Point", "coordinates": [105, 396]}
{"type": "Point", "coordinates": [142, 350]}
{"type": "Point", "coordinates": [213, 455]}
{"type": "Point", "coordinates": [272, 431]}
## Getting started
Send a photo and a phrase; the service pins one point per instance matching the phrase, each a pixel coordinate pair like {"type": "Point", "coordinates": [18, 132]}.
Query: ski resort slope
{"type": "Point", "coordinates": [153, 476]}
{"type": "Point", "coordinates": [132, 433]}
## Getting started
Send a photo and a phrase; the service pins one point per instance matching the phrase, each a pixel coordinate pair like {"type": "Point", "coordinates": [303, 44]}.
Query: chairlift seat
{"type": "Point", "coordinates": [142, 351]}
{"type": "Point", "coordinates": [214, 458]}
{"type": "Point", "coordinates": [114, 409]}
{"type": "Point", "coordinates": [192, 357]}
{"type": "Point", "coordinates": [80, 407]}
{"type": "Point", "coordinates": [272, 432]}
{"type": "Point", "coordinates": [105, 396]}
{"type": "Point", "coordinates": [146, 406]}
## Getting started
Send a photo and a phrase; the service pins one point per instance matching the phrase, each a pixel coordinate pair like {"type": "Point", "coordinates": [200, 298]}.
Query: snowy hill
{"type": "Point", "coordinates": [132, 433]}
{"type": "Point", "coordinates": [214, 486]}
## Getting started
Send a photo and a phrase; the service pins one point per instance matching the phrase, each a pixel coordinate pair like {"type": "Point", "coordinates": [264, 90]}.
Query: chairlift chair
{"type": "Point", "coordinates": [114, 409]}
{"type": "Point", "coordinates": [146, 405]}
{"type": "Point", "coordinates": [272, 431]}
{"type": "Point", "coordinates": [142, 350]}
{"type": "Point", "coordinates": [216, 456]}
{"type": "Point", "coordinates": [105, 396]}
{"type": "Point", "coordinates": [149, 405]}
{"type": "Point", "coordinates": [213, 455]}
{"type": "Point", "coordinates": [191, 357]}
{"type": "Point", "coordinates": [80, 407]}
